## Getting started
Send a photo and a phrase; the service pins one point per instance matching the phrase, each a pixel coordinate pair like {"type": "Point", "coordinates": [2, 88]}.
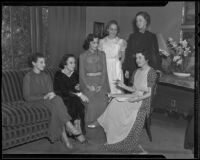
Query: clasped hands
{"type": "Point", "coordinates": [49, 95]}
{"type": "Point", "coordinates": [94, 88]}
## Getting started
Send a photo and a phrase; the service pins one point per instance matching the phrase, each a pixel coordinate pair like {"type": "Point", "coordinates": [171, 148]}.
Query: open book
{"type": "Point", "coordinates": [126, 98]}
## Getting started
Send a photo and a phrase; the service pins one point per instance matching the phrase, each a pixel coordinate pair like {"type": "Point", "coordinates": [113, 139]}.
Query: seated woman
{"type": "Point", "coordinates": [93, 78]}
{"type": "Point", "coordinates": [38, 90]}
{"type": "Point", "coordinates": [123, 119]}
{"type": "Point", "coordinates": [66, 85]}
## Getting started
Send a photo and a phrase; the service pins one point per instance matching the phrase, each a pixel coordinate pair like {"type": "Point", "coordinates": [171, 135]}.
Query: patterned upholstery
{"type": "Point", "coordinates": [21, 122]}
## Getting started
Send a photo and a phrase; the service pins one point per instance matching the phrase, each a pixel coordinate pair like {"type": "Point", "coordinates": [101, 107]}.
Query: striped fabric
{"type": "Point", "coordinates": [21, 121]}
{"type": "Point", "coordinates": [22, 113]}
{"type": "Point", "coordinates": [15, 135]}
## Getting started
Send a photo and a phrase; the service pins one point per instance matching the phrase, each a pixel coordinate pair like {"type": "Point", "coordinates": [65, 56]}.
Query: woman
{"type": "Point", "coordinates": [93, 78]}
{"type": "Point", "coordinates": [114, 48]}
{"type": "Point", "coordinates": [141, 39]}
{"type": "Point", "coordinates": [38, 90]}
{"type": "Point", "coordinates": [123, 119]}
{"type": "Point", "coordinates": [66, 85]}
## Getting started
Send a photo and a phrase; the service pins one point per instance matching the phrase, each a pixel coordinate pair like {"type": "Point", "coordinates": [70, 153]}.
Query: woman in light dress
{"type": "Point", "coordinates": [114, 48]}
{"type": "Point", "coordinates": [123, 119]}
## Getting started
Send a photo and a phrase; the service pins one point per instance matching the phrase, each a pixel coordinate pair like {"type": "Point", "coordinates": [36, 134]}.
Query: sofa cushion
{"type": "Point", "coordinates": [22, 113]}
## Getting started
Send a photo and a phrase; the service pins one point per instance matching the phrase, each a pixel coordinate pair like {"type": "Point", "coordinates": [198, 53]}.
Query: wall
{"type": "Point", "coordinates": [165, 20]}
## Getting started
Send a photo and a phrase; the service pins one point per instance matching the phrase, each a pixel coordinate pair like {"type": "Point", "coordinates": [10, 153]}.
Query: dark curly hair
{"type": "Point", "coordinates": [64, 59]}
{"type": "Point", "coordinates": [109, 24]}
{"type": "Point", "coordinates": [89, 39]}
{"type": "Point", "coordinates": [146, 55]}
{"type": "Point", "coordinates": [146, 17]}
{"type": "Point", "coordinates": [34, 58]}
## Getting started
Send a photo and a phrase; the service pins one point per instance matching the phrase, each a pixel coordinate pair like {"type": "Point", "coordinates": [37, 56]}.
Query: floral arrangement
{"type": "Point", "coordinates": [178, 55]}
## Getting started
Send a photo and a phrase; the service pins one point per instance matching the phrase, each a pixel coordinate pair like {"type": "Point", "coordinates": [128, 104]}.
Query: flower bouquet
{"type": "Point", "coordinates": [178, 55]}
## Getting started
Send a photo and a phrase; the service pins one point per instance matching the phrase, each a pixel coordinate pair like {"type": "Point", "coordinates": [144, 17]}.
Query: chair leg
{"type": "Point", "coordinates": [148, 130]}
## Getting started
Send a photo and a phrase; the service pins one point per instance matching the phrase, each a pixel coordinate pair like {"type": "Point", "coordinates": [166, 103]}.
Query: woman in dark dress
{"type": "Point", "coordinates": [38, 90]}
{"type": "Point", "coordinates": [141, 40]}
{"type": "Point", "coordinates": [66, 85]}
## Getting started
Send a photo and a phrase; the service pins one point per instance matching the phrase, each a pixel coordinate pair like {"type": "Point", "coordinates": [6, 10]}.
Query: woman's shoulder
{"type": "Point", "coordinates": [58, 73]}
{"type": "Point", "coordinates": [152, 72]}
{"type": "Point", "coordinates": [83, 54]}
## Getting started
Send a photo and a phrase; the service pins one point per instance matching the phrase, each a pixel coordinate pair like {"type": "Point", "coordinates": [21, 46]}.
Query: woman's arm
{"type": "Point", "coordinates": [142, 97]}
{"type": "Point", "coordinates": [123, 46]}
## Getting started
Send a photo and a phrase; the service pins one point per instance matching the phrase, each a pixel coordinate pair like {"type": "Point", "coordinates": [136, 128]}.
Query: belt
{"type": "Point", "coordinates": [94, 74]}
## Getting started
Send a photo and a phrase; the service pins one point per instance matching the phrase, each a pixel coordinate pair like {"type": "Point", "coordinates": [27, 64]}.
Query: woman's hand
{"type": "Point", "coordinates": [98, 88]}
{"type": "Point", "coordinates": [120, 84]}
{"type": "Point", "coordinates": [84, 98]}
{"type": "Point", "coordinates": [126, 74]}
{"type": "Point", "coordinates": [50, 95]}
{"type": "Point", "coordinates": [77, 87]}
{"type": "Point", "coordinates": [91, 88]}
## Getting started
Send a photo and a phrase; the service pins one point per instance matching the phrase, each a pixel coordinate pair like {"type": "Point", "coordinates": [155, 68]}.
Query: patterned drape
{"type": "Point", "coordinates": [66, 31]}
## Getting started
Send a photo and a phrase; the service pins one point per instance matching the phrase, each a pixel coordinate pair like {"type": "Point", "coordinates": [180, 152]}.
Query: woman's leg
{"type": "Point", "coordinates": [65, 139]}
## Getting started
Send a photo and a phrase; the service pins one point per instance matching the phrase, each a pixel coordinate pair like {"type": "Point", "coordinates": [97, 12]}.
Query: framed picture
{"type": "Point", "coordinates": [98, 29]}
{"type": "Point", "coordinates": [189, 13]}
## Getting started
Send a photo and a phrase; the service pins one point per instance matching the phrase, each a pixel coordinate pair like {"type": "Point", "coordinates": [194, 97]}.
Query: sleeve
{"type": "Point", "coordinates": [60, 87]}
{"type": "Point", "coordinates": [151, 78]}
{"type": "Point", "coordinates": [27, 91]}
{"type": "Point", "coordinates": [104, 72]}
{"type": "Point", "coordinates": [128, 58]}
{"type": "Point", "coordinates": [157, 61]}
{"type": "Point", "coordinates": [132, 77]}
{"type": "Point", "coordinates": [123, 45]}
{"type": "Point", "coordinates": [82, 79]}
{"type": "Point", "coordinates": [49, 83]}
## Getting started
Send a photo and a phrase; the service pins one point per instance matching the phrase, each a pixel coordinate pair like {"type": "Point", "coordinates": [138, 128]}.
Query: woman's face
{"type": "Point", "coordinates": [141, 22]}
{"type": "Point", "coordinates": [70, 64]}
{"type": "Point", "coordinates": [39, 64]}
{"type": "Point", "coordinates": [112, 30]}
{"type": "Point", "coordinates": [140, 60]}
{"type": "Point", "coordinates": [94, 44]}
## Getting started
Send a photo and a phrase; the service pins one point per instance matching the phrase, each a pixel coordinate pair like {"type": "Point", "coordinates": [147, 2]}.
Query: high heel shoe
{"type": "Point", "coordinates": [93, 125]}
{"type": "Point", "coordinates": [76, 134]}
{"type": "Point", "coordinates": [77, 138]}
{"type": "Point", "coordinates": [68, 145]}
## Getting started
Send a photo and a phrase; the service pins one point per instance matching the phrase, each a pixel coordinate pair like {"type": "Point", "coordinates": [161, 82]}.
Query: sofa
{"type": "Point", "coordinates": [21, 122]}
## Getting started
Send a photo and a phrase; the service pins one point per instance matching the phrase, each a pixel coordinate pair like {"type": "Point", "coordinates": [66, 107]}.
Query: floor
{"type": "Point", "coordinates": [167, 133]}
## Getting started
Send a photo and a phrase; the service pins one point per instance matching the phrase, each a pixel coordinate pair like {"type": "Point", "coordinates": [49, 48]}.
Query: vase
{"type": "Point", "coordinates": [180, 74]}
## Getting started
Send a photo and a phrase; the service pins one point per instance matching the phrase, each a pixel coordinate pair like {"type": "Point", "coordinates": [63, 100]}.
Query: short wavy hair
{"type": "Point", "coordinates": [147, 55]}
{"type": "Point", "coordinates": [146, 17]}
{"type": "Point", "coordinates": [64, 59]}
{"type": "Point", "coordinates": [34, 58]}
{"type": "Point", "coordinates": [90, 38]}
{"type": "Point", "coordinates": [109, 24]}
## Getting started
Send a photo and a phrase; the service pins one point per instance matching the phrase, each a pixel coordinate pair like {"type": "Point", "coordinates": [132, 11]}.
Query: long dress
{"type": "Point", "coordinates": [93, 63]}
{"type": "Point", "coordinates": [138, 42]}
{"type": "Point", "coordinates": [64, 86]}
{"type": "Point", "coordinates": [35, 86]}
{"type": "Point", "coordinates": [123, 121]}
{"type": "Point", "coordinates": [112, 49]}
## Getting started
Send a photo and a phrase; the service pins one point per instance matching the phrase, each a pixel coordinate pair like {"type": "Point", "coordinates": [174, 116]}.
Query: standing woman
{"type": "Point", "coordinates": [93, 78]}
{"type": "Point", "coordinates": [38, 91]}
{"type": "Point", "coordinates": [66, 85]}
{"type": "Point", "coordinates": [114, 48]}
{"type": "Point", "coordinates": [141, 40]}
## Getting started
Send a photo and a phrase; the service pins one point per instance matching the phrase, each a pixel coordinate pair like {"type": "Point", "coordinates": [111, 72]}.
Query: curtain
{"type": "Point", "coordinates": [36, 29]}
{"type": "Point", "coordinates": [66, 32]}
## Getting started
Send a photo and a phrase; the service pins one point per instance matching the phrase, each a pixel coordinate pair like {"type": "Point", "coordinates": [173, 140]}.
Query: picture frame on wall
{"type": "Point", "coordinates": [98, 29]}
{"type": "Point", "coordinates": [189, 13]}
